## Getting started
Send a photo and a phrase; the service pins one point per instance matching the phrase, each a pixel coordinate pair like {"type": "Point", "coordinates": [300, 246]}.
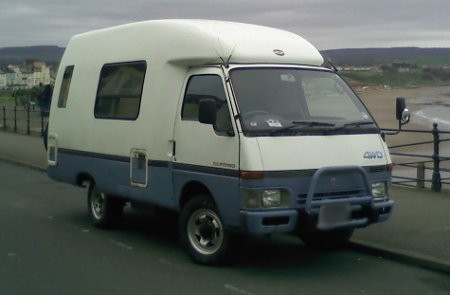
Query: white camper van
{"type": "Point", "coordinates": [238, 127]}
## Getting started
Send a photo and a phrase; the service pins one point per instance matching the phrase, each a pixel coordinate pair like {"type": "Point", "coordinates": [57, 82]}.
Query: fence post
{"type": "Point", "coordinates": [420, 175]}
{"type": "Point", "coordinates": [15, 118]}
{"type": "Point", "coordinates": [28, 119]}
{"type": "Point", "coordinates": [42, 123]}
{"type": "Point", "coordinates": [4, 117]}
{"type": "Point", "coordinates": [436, 180]}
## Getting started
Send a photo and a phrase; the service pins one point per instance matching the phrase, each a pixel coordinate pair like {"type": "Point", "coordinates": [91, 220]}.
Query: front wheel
{"type": "Point", "coordinates": [202, 232]}
{"type": "Point", "coordinates": [104, 211]}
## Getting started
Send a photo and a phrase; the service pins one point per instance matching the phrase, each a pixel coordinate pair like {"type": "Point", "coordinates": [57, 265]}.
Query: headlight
{"type": "Point", "coordinates": [264, 198]}
{"type": "Point", "coordinates": [379, 191]}
{"type": "Point", "coordinates": [271, 198]}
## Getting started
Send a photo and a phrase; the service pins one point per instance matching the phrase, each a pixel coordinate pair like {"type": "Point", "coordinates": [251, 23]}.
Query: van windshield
{"type": "Point", "coordinates": [288, 101]}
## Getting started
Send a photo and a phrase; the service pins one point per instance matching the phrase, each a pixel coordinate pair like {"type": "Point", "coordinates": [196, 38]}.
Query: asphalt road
{"type": "Point", "coordinates": [47, 246]}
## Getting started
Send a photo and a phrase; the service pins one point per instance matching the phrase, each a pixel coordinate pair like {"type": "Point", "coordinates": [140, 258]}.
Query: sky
{"type": "Point", "coordinates": [328, 24]}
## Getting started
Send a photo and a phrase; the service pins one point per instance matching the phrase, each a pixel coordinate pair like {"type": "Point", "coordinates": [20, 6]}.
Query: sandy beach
{"type": "Point", "coordinates": [381, 103]}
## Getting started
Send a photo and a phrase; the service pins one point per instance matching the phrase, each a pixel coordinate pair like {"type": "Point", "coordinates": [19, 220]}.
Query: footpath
{"type": "Point", "coordinates": [418, 231]}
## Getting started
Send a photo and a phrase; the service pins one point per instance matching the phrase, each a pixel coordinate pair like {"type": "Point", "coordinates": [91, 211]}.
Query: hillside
{"type": "Point", "coordinates": [424, 66]}
{"type": "Point", "coordinates": [349, 56]}
{"type": "Point", "coordinates": [373, 56]}
{"type": "Point", "coordinates": [17, 55]}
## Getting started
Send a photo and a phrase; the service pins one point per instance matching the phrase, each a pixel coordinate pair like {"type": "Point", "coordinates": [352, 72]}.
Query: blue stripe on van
{"type": "Point", "coordinates": [205, 169]}
{"type": "Point", "coordinates": [166, 180]}
{"type": "Point", "coordinates": [112, 176]}
{"type": "Point", "coordinates": [154, 163]}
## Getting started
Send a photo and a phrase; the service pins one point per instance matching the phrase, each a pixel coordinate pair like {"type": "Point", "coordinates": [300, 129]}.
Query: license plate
{"type": "Point", "coordinates": [331, 215]}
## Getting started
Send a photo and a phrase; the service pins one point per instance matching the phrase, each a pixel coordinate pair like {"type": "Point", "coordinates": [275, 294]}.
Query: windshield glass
{"type": "Point", "coordinates": [287, 101]}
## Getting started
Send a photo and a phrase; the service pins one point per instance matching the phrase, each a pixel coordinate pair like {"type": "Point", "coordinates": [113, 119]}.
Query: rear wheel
{"type": "Point", "coordinates": [104, 211]}
{"type": "Point", "coordinates": [202, 232]}
{"type": "Point", "coordinates": [326, 239]}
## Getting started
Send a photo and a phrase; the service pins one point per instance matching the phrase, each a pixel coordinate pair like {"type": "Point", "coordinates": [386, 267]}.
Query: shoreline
{"type": "Point", "coordinates": [381, 104]}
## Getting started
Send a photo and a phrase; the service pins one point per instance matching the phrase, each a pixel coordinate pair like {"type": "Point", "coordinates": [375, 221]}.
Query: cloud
{"type": "Point", "coordinates": [326, 23]}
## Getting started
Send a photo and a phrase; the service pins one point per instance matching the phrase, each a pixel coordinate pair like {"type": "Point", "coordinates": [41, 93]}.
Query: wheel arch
{"type": "Point", "coordinates": [83, 178]}
{"type": "Point", "coordinates": [192, 189]}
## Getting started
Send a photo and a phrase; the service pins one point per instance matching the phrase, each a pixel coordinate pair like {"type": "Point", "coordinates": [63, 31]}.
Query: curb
{"type": "Point", "coordinates": [24, 164]}
{"type": "Point", "coordinates": [406, 257]}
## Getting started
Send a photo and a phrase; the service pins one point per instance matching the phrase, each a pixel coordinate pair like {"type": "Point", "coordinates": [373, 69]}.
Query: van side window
{"type": "Point", "coordinates": [206, 86]}
{"type": "Point", "coordinates": [120, 90]}
{"type": "Point", "coordinates": [65, 85]}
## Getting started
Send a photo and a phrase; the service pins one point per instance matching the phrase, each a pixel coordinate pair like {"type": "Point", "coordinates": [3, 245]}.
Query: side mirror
{"type": "Point", "coordinates": [401, 112]}
{"type": "Point", "coordinates": [207, 110]}
{"type": "Point", "coordinates": [400, 105]}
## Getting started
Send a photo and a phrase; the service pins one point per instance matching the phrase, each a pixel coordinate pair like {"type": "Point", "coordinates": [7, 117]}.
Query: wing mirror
{"type": "Point", "coordinates": [207, 114]}
{"type": "Point", "coordinates": [401, 112]}
{"type": "Point", "coordinates": [207, 110]}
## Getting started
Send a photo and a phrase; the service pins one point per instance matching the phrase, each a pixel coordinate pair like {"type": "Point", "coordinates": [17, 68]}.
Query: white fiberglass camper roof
{"type": "Point", "coordinates": [196, 42]}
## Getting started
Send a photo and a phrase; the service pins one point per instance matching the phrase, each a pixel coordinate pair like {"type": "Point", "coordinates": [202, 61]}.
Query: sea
{"type": "Point", "coordinates": [434, 108]}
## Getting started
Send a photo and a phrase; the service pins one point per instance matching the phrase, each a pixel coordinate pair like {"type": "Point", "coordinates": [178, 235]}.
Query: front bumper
{"type": "Point", "coordinates": [336, 197]}
{"type": "Point", "coordinates": [292, 220]}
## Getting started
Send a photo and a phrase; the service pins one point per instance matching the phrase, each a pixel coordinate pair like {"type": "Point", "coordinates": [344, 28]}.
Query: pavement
{"type": "Point", "coordinates": [417, 233]}
{"type": "Point", "coordinates": [23, 149]}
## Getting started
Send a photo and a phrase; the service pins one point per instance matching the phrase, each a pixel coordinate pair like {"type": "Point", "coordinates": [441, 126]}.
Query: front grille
{"type": "Point", "coordinates": [373, 169]}
{"type": "Point", "coordinates": [301, 199]}
{"type": "Point", "coordinates": [339, 195]}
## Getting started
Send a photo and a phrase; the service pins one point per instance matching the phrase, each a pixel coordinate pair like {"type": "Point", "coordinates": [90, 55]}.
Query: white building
{"type": "Point", "coordinates": [33, 73]}
{"type": "Point", "coordinates": [2, 80]}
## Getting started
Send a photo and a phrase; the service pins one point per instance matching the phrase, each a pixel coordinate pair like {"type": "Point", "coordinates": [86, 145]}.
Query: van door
{"type": "Point", "coordinates": [201, 147]}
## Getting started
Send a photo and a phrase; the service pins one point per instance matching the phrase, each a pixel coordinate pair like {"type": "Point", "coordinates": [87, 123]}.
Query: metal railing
{"type": "Point", "coordinates": [432, 157]}
{"type": "Point", "coordinates": [27, 119]}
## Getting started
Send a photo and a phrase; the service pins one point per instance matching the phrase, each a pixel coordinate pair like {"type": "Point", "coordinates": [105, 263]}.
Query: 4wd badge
{"type": "Point", "coordinates": [373, 155]}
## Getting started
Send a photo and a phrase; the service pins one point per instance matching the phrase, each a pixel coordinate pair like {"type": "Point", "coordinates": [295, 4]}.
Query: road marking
{"type": "Point", "coordinates": [83, 230]}
{"type": "Point", "coordinates": [171, 264]}
{"type": "Point", "coordinates": [238, 290]}
{"type": "Point", "coordinates": [121, 245]}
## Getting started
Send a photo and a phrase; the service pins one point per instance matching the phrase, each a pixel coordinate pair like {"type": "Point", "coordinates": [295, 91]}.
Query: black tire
{"type": "Point", "coordinates": [104, 211]}
{"type": "Point", "coordinates": [326, 239]}
{"type": "Point", "coordinates": [202, 233]}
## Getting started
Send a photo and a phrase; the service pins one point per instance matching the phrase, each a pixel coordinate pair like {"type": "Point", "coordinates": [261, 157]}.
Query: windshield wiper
{"type": "Point", "coordinates": [352, 124]}
{"type": "Point", "coordinates": [302, 123]}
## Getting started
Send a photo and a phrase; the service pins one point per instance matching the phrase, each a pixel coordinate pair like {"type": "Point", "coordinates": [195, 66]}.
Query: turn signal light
{"type": "Point", "coordinates": [390, 167]}
{"type": "Point", "coordinates": [252, 174]}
